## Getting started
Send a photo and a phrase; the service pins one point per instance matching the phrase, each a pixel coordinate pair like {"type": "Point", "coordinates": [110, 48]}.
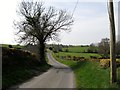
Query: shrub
{"type": "Point", "coordinates": [118, 63]}
{"type": "Point", "coordinates": [105, 63]}
{"type": "Point", "coordinates": [66, 50]}
{"type": "Point", "coordinates": [80, 58]}
{"type": "Point", "coordinates": [57, 56]}
{"type": "Point", "coordinates": [18, 66]}
{"type": "Point", "coordinates": [50, 48]}
{"type": "Point", "coordinates": [74, 58]}
{"type": "Point", "coordinates": [90, 51]}
{"type": "Point", "coordinates": [118, 56]}
{"type": "Point", "coordinates": [14, 57]}
{"type": "Point", "coordinates": [10, 46]}
{"type": "Point", "coordinates": [69, 57]}
{"type": "Point", "coordinates": [93, 57]}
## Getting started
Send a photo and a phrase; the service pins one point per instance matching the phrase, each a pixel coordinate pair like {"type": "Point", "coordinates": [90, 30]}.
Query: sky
{"type": "Point", "coordinates": [91, 22]}
{"type": "Point", "coordinates": [119, 21]}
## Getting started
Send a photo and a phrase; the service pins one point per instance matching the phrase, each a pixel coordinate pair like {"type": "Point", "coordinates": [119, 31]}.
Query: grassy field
{"type": "Point", "coordinates": [86, 55]}
{"type": "Point", "coordinates": [90, 74]}
{"type": "Point", "coordinates": [76, 49]}
{"type": "Point", "coordinates": [14, 46]}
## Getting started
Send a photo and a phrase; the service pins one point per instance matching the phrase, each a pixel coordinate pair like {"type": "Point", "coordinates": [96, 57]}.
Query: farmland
{"type": "Point", "coordinates": [76, 49]}
{"type": "Point", "coordinates": [86, 55]}
{"type": "Point", "coordinates": [14, 46]}
{"type": "Point", "coordinates": [88, 74]}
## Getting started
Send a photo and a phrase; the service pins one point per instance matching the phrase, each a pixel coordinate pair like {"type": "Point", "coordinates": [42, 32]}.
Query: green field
{"type": "Point", "coordinates": [76, 49]}
{"type": "Point", "coordinates": [86, 55]}
{"type": "Point", "coordinates": [88, 74]}
{"type": "Point", "coordinates": [14, 46]}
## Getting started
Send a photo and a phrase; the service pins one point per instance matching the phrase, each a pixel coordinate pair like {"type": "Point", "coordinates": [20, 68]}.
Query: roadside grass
{"type": "Point", "coordinates": [89, 74]}
{"type": "Point", "coordinates": [86, 55]}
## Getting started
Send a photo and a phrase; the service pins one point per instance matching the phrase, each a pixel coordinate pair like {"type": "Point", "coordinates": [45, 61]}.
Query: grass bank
{"type": "Point", "coordinates": [19, 66]}
{"type": "Point", "coordinates": [89, 74]}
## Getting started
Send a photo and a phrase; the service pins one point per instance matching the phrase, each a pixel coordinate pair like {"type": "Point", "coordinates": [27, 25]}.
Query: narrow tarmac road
{"type": "Point", "coordinates": [59, 76]}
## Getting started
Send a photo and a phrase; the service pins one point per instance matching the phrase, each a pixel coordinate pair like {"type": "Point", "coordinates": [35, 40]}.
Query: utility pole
{"type": "Point", "coordinates": [113, 75]}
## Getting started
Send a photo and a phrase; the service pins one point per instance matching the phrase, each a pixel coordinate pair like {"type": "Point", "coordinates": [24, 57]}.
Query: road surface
{"type": "Point", "coordinates": [59, 76]}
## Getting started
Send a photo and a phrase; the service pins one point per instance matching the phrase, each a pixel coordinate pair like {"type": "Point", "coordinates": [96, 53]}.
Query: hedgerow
{"type": "Point", "coordinates": [18, 66]}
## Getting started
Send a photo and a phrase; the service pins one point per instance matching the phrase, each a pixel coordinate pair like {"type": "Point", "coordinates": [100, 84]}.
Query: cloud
{"type": "Point", "coordinates": [7, 15]}
{"type": "Point", "coordinates": [90, 26]}
{"type": "Point", "coordinates": [80, 0]}
{"type": "Point", "coordinates": [87, 32]}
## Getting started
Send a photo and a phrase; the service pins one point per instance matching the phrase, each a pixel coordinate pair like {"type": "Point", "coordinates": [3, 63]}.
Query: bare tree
{"type": "Point", "coordinates": [40, 24]}
{"type": "Point", "coordinates": [104, 48]}
{"type": "Point", "coordinates": [113, 75]}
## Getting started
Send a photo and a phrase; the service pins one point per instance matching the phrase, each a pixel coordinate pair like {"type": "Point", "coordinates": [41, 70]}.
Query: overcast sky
{"type": "Point", "coordinates": [90, 26]}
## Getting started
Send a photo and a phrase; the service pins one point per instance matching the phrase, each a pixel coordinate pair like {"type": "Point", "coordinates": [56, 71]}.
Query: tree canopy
{"type": "Point", "coordinates": [39, 24]}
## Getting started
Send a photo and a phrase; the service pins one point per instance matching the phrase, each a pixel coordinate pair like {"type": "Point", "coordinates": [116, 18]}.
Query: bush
{"type": "Point", "coordinates": [66, 50]}
{"type": "Point", "coordinates": [93, 57]}
{"type": "Point", "coordinates": [55, 51]}
{"type": "Point", "coordinates": [50, 48]}
{"type": "Point", "coordinates": [18, 66]}
{"type": "Point", "coordinates": [10, 46]}
{"type": "Point", "coordinates": [14, 57]}
{"type": "Point", "coordinates": [105, 63]}
{"type": "Point", "coordinates": [118, 63]}
{"type": "Point", "coordinates": [118, 56]}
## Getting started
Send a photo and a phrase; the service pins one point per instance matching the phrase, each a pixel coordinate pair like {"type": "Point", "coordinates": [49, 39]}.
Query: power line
{"type": "Point", "coordinates": [75, 8]}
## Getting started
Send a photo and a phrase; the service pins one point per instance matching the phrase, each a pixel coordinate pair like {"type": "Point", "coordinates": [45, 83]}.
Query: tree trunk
{"type": "Point", "coordinates": [42, 52]}
{"type": "Point", "coordinates": [113, 75]}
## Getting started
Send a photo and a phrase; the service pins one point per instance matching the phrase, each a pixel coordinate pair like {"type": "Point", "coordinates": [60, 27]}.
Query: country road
{"type": "Point", "coordinates": [59, 76]}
